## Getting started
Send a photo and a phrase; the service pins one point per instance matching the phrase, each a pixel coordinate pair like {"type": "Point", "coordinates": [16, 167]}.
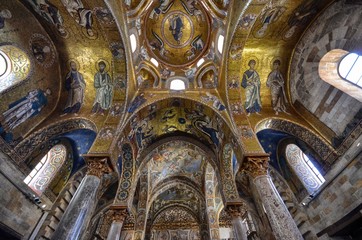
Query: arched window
{"type": "Point", "coordinates": [304, 168]}
{"type": "Point", "coordinates": [44, 172]}
{"type": "Point", "coordinates": [350, 68]}
{"type": "Point", "coordinates": [177, 84]}
{"type": "Point", "coordinates": [5, 65]}
{"type": "Point", "coordinates": [133, 41]}
{"type": "Point", "coordinates": [342, 70]}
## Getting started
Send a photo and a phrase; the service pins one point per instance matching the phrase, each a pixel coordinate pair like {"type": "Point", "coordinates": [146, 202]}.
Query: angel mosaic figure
{"type": "Point", "coordinates": [251, 83]}
{"type": "Point", "coordinates": [275, 82]}
{"type": "Point", "coordinates": [4, 14]}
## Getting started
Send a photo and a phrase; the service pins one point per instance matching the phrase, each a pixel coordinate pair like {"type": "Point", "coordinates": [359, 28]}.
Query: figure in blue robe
{"type": "Point", "coordinates": [176, 26]}
{"type": "Point", "coordinates": [24, 108]}
{"type": "Point", "coordinates": [137, 102]}
{"type": "Point", "coordinates": [251, 83]}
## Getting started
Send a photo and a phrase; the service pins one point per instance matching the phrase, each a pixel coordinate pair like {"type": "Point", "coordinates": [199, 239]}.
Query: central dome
{"type": "Point", "coordinates": [177, 32]}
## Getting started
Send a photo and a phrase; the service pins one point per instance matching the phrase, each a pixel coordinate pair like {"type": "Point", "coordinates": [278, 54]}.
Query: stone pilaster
{"type": "Point", "coordinates": [281, 221]}
{"type": "Point", "coordinates": [236, 212]}
{"type": "Point", "coordinates": [80, 210]}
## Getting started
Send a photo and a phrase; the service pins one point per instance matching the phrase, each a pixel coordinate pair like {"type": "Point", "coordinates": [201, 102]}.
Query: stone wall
{"type": "Point", "coordinates": [339, 27]}
{"type": "Point", "coordinates": [17, 212]}
{"type": "Point", "coordinates": [339, 196]}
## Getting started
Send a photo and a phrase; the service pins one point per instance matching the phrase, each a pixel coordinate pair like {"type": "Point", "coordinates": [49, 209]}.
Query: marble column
{"type": "Point", "coordinates": [117, 217]}
{"type": "Point", "coordinates": [236, 212]}
{"type": "Point", "coordinates": [79, 212]}
{"type": "Point", "coordinates": [281, 221]}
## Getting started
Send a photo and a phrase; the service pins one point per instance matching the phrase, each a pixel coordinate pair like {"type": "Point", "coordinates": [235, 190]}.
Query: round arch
{"type": "Point", "coordinates": [318, 144]}
{"type": "Point", "coordinates": [28, 145]}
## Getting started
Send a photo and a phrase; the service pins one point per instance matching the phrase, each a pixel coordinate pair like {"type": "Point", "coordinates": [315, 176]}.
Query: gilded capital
{"type": "Point", "coordinates": [98, 166]}
{"type": "Point", "coordinates": [236, 210]}
{"type": "Point", "coordinates": [256, 165]}
{"type": "Point", "coordinates": [117, 215]}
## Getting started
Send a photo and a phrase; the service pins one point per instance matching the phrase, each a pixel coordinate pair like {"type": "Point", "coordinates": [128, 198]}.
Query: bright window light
{"type": "Point", "coordinates": [133, 41]}
{"type": "Point", "coordinates": [154, 61]}
{"type": "Point", "coordinates": [4, 65]}
{"type": "Point", "coordinates": [220, 43]}
{"type": "Point", "coordinates": [177, 84]}
{"type": "Point", "coordinates": [342, 70]}
{"type": "Point", "coordinates": [356, 72]}
{"type": "Point", "coordinates": [43, 173]}
{"type": "Point", "coordinates": [200, 62]}
{"type": "Point", "coordinates": [350, 68]}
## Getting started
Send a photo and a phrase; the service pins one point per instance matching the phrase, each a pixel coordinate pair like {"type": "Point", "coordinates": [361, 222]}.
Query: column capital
{"type": "Point", "coordinates": [236, 209]}
{"type": "Point", "coordinates": [256, 165]}
{"type": "Point", "coordinates": [97, 165]}
{"type": "Point", "coordinates": [117, 215]}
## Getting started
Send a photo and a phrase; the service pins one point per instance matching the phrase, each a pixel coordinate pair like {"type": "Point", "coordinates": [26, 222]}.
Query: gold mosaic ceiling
{"type": "Point", "coordinates": [177, 32]}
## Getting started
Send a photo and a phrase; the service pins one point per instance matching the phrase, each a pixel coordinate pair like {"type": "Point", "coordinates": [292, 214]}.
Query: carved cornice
{"type": "Point", "coordinates": [256, 165]}
{"type": "Point", "coordinates": [97, 165]}
{"type": "Point", "coordinates": [236, 210]}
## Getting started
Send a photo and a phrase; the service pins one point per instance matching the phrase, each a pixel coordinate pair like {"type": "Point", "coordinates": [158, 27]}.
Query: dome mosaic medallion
{"type": "Point", "coordinates": [177, 32]}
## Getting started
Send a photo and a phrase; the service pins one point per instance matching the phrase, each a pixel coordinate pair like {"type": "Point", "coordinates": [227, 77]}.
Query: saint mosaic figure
{"type": "Point", "coordinates": [75, 85]}
{"type": "Point", "coordinates": [251, 83]}
{"type": "Point", "coordinates": [275, 82]}
{"type": "Point", "coordinates": [104, 90]}
{"type": "Point", "coordinates": [4, 14]}
{"type": "Point", "coordinates": [24, 108]}
{"type": "Point", "coordinates": [81, 15]}
{"type": "Point", "coordinates": [51, 13]}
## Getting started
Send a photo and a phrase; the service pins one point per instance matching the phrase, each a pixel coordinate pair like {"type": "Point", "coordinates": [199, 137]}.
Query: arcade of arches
{"type": "Point", "coordinates": [180, 119]}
